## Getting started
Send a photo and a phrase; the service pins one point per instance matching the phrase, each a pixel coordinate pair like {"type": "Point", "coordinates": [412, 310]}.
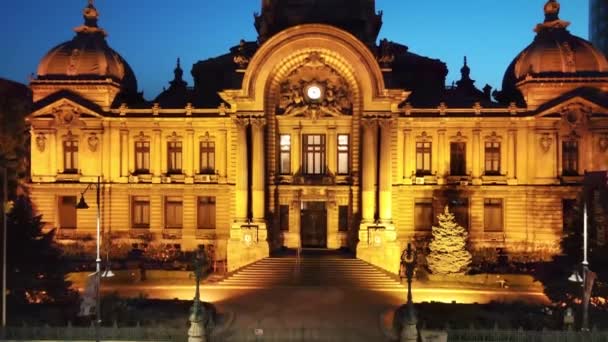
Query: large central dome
{"type": "Point", "coordinates": [358, 17]}
{"type": "Point", "coordinates": [87, 57]}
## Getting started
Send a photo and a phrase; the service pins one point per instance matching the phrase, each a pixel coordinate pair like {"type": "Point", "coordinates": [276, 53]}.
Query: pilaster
{"type": "Point", "coordinates": [242, 168]}
{"type": "Point", "coordinates": [258, 169]}
{"type": "Point", "coordinates": [385, 187]}
{"type": "Point", "coordinates": [332, 148]}
{"type": "Point", "coordinates": [295, 149]}
{"type": "Point", "coordinates": [476, 172]}
{"type": "Point", "coordinates": [511, 153]}
{"type": "Point", "coordinates": [368, 164]}
{"type": "Point", "coordinates": [124, 153]}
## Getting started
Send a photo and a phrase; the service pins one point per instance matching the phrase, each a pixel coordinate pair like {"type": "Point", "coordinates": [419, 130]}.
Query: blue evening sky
{"type": "Point", "coordinates": [151, 34]}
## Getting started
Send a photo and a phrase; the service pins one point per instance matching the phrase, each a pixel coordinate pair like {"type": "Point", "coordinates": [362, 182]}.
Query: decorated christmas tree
{"type": "Point", "coordinates": [448, 249]}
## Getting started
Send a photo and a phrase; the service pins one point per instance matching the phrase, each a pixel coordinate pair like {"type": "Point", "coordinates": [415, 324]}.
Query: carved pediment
{"type": "Point", "coordinates": [314, 90]}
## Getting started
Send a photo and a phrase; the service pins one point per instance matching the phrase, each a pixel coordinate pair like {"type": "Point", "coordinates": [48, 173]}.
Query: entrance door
{"type": "Point", "coordinates": [313, 225]}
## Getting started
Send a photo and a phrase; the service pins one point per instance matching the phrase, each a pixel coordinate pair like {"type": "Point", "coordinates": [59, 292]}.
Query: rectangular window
{"type": "Point", "coordinates": [492, 215]}
{"type": "Point", "coordinates": [314, 154]}
{"type": "Point", "coordinates": [284, 217]}
{"type": "Point", "coordinates": [141, 211]}
{"type": "Point", "coordinates": [423, 158]}
{"type": "Point", "coordinates": [458, 161]}
{"type": "Point", "coordinates": [207, 161]}
{"type": "Point", "coordinates": [70, 156]}
{"type": "Point", "coordinates": [343, 218]}
{"type": "Point", "coordinates": [174, 157]}
{"type": "Point", "coordinates": [67, 212]}
{"type": "Point", "coordinates": [173, 212]}
{"type": "Point", "coordinates": [343, 153]}
{"type": "Point", "coordinates": [492, 158]}
{"type": "Point", "coordinates": [142, 157]}
{"type": "Point", "coordinates": [460, 208]}
{"type": "Point", "coordinates": [285, 157]}
{"type": "Point", "coordinates": [423, 214]}
{"type": "Point", "coordinates": [206, 212]}
{"type": "Point", "coordinates": [570, 158]}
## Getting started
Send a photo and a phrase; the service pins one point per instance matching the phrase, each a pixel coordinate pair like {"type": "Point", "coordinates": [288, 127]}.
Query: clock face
{"type": "Point", "coordinates": [313, 92]}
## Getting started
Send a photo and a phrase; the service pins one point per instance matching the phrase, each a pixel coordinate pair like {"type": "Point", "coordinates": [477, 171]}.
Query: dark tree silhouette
{"type": "Point", "coordinates": [35, 272]}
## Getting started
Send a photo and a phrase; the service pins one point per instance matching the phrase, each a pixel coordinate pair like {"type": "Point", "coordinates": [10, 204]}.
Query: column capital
{"type": "Point", "coordinates": [369, 122]}
{"type": "Point", "coordinates": [386, 122]}
{"type": "Point", "coordinates": [241, 121]}
{"type": "Point", "coordinates": [258, 122]}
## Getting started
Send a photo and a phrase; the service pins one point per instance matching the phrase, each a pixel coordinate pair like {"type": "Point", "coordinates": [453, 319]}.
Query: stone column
{"type": "Point", "coordinates": [241, 169]}
{"type": "Point", "coordinates": [295, 150]}
{"type": "Point", "coordinates": [476, 172]}
{"type": "Point", "coordinates": [386, 171]}
{"type": "Point", "coordinates": [441, 155]}
{"type": "Point", "coordinates": [332, 147]}
{"type": "Point", "coordinates": [188, 157]}
{"type": "Point", "coordinates": [156, 153]}
{"type": "Point", "coordinates": [511, 145]}
{"type": "Point", "coordinates": [221, 155]}
{"type": "Point", "coordinates": [408, 155]}
{"type": "Point", "coordinates": [124, 153]}
{"type": "Point", "coordinates": [258, 169]}
{"type": "Point", "coordinates": [368, 164]}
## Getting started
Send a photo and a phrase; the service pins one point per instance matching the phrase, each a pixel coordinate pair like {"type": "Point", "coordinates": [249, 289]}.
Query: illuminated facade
{"type": "Point", "coordinates": [318, 136]}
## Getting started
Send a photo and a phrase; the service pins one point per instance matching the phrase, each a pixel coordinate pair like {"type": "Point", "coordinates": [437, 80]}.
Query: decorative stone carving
{"type": "Point", "coordinates": [493, 137]}
{"type": "Point", "coordinates": [41, 142]}
{"type": "Point", "coordinates": [424, 137]}
{"type": "Point", "coordinates": [458, 137]}
{"type": "Point", "coordinates": [545, 142]}
{"type": "Point", "coordinates": [603, 143]}
{"type": "Point", "coordinates": [240, 58]}
{"type": "Point", "coordinates": [575, 115]}
{"type": "Point", "coordinates": [386, 55]}
{"type": "Point", "coordinates": [66, 114]}
{"type": "Point", "coordinates": [335, 96]}
{"type": "Point", "coordinates": [93, 142]}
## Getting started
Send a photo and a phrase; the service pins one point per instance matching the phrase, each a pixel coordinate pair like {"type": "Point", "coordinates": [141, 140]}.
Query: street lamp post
{"type": "Point", "coordinates": [588, 276]}
{"type": "Point", "coordinates": [4, 235]}
{"type": "Point", "coordinates": [83, 205]}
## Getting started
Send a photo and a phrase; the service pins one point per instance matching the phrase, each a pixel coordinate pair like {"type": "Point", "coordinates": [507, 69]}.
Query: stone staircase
{"type": "Point", "coordinates": [326, 271]}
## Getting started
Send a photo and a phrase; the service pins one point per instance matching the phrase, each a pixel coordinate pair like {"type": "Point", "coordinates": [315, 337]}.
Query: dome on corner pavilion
{"type": "Point", "coordinates": [87, 57]}
{"type": "Point", "coordinates": [555, 52]}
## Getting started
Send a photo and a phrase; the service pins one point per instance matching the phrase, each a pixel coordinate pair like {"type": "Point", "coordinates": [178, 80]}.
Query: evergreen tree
{"type": "Point", "coordinates": [35, 271]}
{"type": "Point", "coordinates": [448, 249]}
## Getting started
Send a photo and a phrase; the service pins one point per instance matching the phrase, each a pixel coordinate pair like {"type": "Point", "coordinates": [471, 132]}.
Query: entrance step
{"type": "Point", "coordinates": [305, 272]}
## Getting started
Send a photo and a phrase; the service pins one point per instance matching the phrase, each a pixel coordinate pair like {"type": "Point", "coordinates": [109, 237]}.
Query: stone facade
{"type": "Point", "coordinates": [316, 145]}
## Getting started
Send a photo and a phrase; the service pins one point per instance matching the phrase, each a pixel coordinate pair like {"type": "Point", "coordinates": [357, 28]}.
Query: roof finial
{"type": "Point", "coordinates": [551, 10]}
{"type": "Point", "coordinates": [552, 20]}
{"type": "Point", "coordinates": [465, 71]}
{"type": "Point", "coordinates": [178, 72]}
{"type": "Point", "coordinates": [91, 15]}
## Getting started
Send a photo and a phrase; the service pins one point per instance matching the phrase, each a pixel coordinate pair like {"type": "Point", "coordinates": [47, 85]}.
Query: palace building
{"type": "Point", "coordinates": [318, 135]}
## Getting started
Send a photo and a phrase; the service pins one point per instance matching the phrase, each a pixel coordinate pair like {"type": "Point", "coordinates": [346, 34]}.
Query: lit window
{"type": "Point", "coordinates": [492, 158]}
{"type": "Point", "coordinates": [492, 215]}
{"type": "Point", "coordinates": [67, 212]}
{"type": "Point", "coordinates": [285, 157]}
{"type": "Point", "coordinates": [206, 212]}
{"type": "Point", "coordinates": [343, 152]}
{"type": "Point", "coordinates": [423, 158]}
{"type": "Point", "coordinates": [314, 154]}
{"type": "Point", "coordinates": [174, 157]}
{"type": "Point", "coordinates": [207, 163]}
{"type": "Point", "coordinates": [173, 212]}
{"type": "Point", "coordinates": [142, 157]}
{"type": "Point", "coordinates": [570, 158]}
{"type": "Point", "coordinates": [423, 214]}
{"type": "Point", "coordinates": [458, 161]}
{"type": "Point", "coordinates": [141, 212]}
{"type": "Point", "coordinates": [70, 156]}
